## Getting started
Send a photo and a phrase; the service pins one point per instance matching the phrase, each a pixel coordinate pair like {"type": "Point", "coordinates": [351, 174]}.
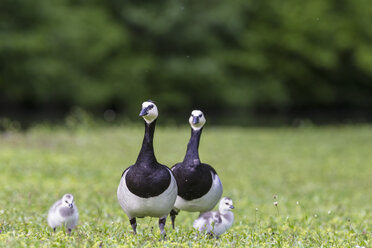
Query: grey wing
{"type": "Point", "coordinates": [54, 207]}
{"type": "Point", "coordinates": [217, 219]}
{"type": "Point", "coordinates": [52, 221]}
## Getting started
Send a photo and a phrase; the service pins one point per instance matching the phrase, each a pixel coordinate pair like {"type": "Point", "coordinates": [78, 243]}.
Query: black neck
{"type": "Point", "coordinates": [192, 153]}
{"type": "Point", "coordinates": [146, 155]}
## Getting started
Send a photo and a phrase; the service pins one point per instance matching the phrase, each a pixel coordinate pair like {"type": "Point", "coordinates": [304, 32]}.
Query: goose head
{"type": "Point", "coordinates": [226, 204]}
{"type": "Point", "coordinates": [68, 201]}
{"type": "Point", "coordinates": [197, 120]}
{"type": "Point", "coordinates": [149, 111]}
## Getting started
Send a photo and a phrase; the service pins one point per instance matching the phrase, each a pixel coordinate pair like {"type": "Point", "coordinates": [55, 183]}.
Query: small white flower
{"type": "Point", "coordinates": [329, 212]}
{"type": "Point", "coordinates": [315, 215]}
{"type": "Point", "coordinates": [275, 203]}
{"type": "Point", "coordinates": [297, 202]}
{"type": "Point", "coordinates": [256, 209]}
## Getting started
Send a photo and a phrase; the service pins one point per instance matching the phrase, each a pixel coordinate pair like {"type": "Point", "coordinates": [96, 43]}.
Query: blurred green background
{"type": "Point", "coordinates": [241, 61]}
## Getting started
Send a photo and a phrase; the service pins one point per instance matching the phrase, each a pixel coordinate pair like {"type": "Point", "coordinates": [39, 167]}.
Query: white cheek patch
{"type": "Point", "coordinates": [150, 117]}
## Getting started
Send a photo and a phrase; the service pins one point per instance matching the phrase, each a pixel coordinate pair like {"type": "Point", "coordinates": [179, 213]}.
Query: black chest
{"type": "Point", "coordinates": [148, 181]}
{"type": "Point", "coordinates": [193, 181]}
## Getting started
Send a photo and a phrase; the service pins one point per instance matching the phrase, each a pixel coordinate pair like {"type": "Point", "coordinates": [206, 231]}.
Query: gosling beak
{"type": "Point", "coordinates": [195, 119]}
{"type": "Point", "coordinates": [232, 207]}
{"type": "Point", "coordinates": [144, 112]}
{"type": "Point", "coordinates": [70, 205]}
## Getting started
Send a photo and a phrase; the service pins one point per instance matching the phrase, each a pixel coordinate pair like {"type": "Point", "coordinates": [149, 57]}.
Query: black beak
{"type": "Point", "coordinates": [195, 119]}
{"type": "Point", "coordinates": [144, 112]}
{"type": "Point", "coordinates": [232, 207]}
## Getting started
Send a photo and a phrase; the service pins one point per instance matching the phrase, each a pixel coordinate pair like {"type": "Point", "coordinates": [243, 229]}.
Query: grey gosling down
{"type": "Point", "coordinates": [63, 212]}
{"type": "Point", "coordinates": [217, 222]}
{"type": "Point", "coordinates": [147, 188]}
{"type": "Point", "coordinates": [199, 187]}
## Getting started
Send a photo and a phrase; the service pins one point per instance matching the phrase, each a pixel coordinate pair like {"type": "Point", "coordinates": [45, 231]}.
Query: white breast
{"type": "Point", "coordinates": [204, 203]}
{"type": "Point", "coordinates": [158, 206]}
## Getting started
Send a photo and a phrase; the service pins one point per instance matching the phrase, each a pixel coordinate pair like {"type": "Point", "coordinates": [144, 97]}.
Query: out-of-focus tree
{"type": "Point", "coordinates": [216, 55]}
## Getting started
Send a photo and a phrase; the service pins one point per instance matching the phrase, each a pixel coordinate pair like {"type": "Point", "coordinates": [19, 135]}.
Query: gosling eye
{"type": "Point", "coordinates": [66, 201]}
{"type": "Point", "coordinates": [200, 115]}
{"type": "Point", "coordinates": [226, 203]}
{"type": "Point", "coordinates": [150, 106]}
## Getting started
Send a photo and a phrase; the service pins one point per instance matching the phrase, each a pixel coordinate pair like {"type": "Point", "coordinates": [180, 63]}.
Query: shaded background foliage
{"type": "Point", "coordinates": [227, 57]}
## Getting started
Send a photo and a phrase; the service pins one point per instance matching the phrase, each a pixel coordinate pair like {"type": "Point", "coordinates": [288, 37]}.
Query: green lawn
{"type": "Point", "coordinates": [322, 178]}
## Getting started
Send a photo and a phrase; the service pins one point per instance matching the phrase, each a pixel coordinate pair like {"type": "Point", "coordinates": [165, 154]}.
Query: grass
{"type": "Point", "coordinates": [321, 179]}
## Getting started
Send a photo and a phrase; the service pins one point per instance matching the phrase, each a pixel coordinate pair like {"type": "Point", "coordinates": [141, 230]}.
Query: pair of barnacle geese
{"type": "Point", "coordinates": [149, 188]}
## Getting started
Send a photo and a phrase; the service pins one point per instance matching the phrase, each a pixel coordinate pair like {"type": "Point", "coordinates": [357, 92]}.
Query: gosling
{"type": "Point", "coordinates": [216, 223]}
{"type": "Point", "coordinates": [63, 212]}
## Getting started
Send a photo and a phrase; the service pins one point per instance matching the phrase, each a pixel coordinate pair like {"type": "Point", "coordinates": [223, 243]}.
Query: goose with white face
{"type": "Point", "coordinates": [68, 201]}
{"type": "Point", "coordinates": [226, 204]}
{"type": "Point", "coordinates": [197, 120]}
{"type": "Point", "coordinates": [149, 111]}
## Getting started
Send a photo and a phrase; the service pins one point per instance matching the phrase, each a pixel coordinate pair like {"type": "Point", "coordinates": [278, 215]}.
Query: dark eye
{"type": "Point", "coordinates": [66, 201]}
{"type": "Point", "coordinates": [200, 115]}
{"type": "Point", "coordinates": [226, 203]}
{"type": "Point", "coordinates": [150, 106]}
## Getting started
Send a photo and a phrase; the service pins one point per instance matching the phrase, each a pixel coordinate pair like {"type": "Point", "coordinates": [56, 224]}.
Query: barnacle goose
{"type": "Point", "coordinates": [147, 188]}
{"type": "Point", "coordinates": [199, 187]}
{"type": "Point", "coordinates": [217, 222]}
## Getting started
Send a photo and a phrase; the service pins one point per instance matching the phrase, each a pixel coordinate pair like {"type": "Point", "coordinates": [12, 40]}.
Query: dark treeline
{"type": "Point", "coordinates": [237, 57]}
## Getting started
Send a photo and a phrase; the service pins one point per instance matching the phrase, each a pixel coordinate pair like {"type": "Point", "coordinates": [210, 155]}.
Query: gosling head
{"type": "Point", "coordinates": [149, 111]}
{"type": "Point", "coordinates": [197, 120]}
{"type": "Point", "coordinates": [68, 201]}
{"type": "Point", "coordinates": [226, 204]}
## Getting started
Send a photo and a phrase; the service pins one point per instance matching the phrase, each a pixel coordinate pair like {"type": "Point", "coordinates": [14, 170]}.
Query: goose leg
{"type": "Point", "coordinates": [173, 214]}
{"type": "Point", "coordinates": [161, 226]}
{"type": "Point", "coordinates": [134, 225]}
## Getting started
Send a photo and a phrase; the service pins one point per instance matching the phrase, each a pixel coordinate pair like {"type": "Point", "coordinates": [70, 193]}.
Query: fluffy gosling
{"type": "Point", "coordinates": [63, 212]}
{"type": "Point", "coordinates": [216, 223]}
